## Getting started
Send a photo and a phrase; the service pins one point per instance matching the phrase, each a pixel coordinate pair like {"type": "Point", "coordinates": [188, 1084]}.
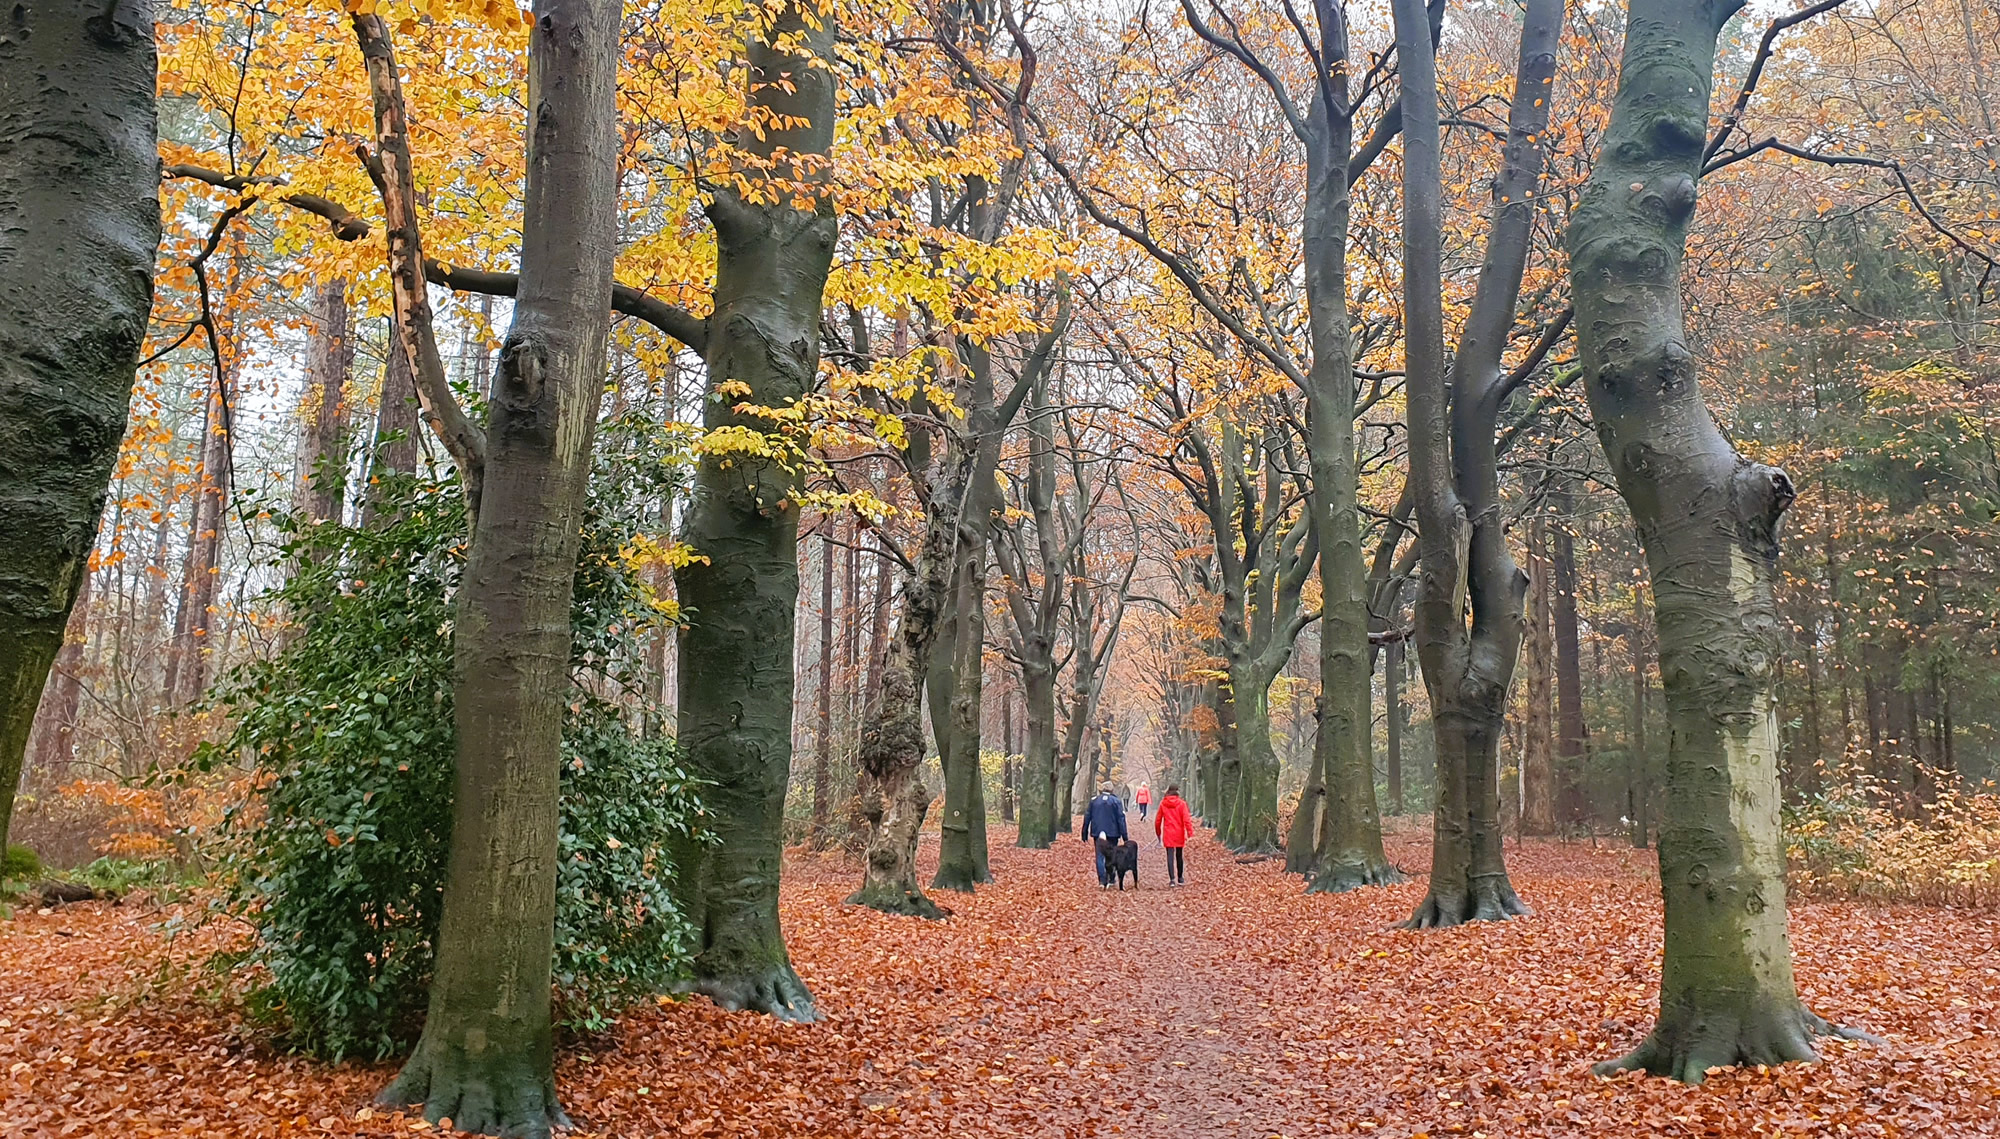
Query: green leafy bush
{"type": "Point", "coordinates": [20, 864]}
{"type": "Point", "coordinates": [339, 859]}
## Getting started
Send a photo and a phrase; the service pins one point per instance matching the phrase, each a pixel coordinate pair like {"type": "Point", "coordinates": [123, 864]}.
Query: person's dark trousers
{"type": "Point", "coordinates": [1176, 864]}
{"type": "Point", "coordinates": [1142, 811]}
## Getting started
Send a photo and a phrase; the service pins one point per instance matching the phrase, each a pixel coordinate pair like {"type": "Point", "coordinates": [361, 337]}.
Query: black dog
{"type": "Point", "coordinates": [1121, 859]}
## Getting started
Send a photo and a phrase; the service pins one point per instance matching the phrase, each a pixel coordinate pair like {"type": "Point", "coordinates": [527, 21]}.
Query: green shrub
{"type": "Point", "coordinates": [339, 860]}
{"type": "Point", "coordinates": [20, 864]}
{"type": "Point", "coordinates": [120, 876]}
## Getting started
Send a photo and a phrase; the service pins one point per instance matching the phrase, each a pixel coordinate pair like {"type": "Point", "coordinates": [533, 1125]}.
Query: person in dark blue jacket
{"type": "Point", "coordinates": [1103, 825]}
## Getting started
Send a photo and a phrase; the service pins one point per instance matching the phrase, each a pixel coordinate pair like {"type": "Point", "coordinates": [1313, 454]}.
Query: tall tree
{"type": "Point", "coordinates": [1708, 519]}
{"type": "Point", "coordinates": [322, 467]}
{"type": "Point", "coordinates": [1469, 612]}
{"type": "Point", "coordinates": [485, 1059]}
{"type": "Point", "coordinates": [736, 679]}
{"type": "Point", "coordinates": [79, 227]}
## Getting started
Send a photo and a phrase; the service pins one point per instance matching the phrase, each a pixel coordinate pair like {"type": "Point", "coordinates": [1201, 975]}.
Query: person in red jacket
{"type": "Point", "coordinates": [1143, 797]}
{"type": "Point", "coordinates": [1174, 824]}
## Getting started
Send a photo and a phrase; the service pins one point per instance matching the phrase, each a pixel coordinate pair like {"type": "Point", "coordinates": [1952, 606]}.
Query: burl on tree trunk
{"type": "Point", "coordinates": [1708, 519]}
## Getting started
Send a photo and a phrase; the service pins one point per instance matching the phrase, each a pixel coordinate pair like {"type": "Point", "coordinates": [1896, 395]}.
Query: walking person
{"type": "Point", "coordinates": [1174, 824]}
{"type": "Point", "coordinates": [1104, 825]}
{"type": "Point", "coordinates": [1143, 798]}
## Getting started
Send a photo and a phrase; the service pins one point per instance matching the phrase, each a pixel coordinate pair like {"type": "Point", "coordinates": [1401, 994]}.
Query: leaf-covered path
{"type": "Point", "coordinates": [1235, 1007]}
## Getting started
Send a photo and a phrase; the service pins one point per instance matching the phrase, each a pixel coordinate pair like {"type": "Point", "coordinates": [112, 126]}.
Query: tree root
{"type": "Point", "coordinates": [961, 880]}
{"type": "Point", "coordinates": [1491, 898]}
{"type": "Point", "coordinates": [907, 901]}
{"type": "Point", "coordinates": [1342, 876]}
{"type": "Point", "coordinates": [1686, 1045]}
{"type": "Point", "coordinates": [776, 991]}
{"type": "Point", "coordinates": [499, 1094]}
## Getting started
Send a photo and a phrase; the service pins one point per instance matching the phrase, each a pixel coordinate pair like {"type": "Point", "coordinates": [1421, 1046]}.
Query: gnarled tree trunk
{"type": "Point", "coordinates": [1708, 519]}
{"type": "Point", "coordinates": [79, 228]}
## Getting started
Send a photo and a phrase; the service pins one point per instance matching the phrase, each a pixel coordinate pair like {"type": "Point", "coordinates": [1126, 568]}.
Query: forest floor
{"type": "Point", "coordinates": [1234, 1007]}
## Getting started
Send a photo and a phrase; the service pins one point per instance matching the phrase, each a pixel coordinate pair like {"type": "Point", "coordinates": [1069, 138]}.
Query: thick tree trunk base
{"type": "Point", "coordinates": [1490, 898]}
{"type": "Point", "coordinates": [775, 990]}
{"type": "Point", "coordinates": [504, 1091]}
{"type": "Point", "coordinates": [959, 874]}
{"type": "Point", "coordinates": [907, 901]}
{"type": "Point", "coordinates": [1688, 1043]}
{"type": "Point", "coordinates": [1037, 839]}
{"type": "Point", "coordinates": [1338, 877]}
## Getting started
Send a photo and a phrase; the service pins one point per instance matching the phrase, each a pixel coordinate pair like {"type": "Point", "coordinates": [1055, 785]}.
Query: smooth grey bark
{"type": "Point", "coordinates": [1036, 610]}
{"type": "Point", "coordinates": [736, 673]}
{"type": "Point", "coordinates": [1470, 616]}
{"type": "Point", "coordinates": [822, 774]}
{"type": "Point", "coordinates": [1636, 793]}
{"type": "Point", "coordinates": [486, 1056]}
{"type": "Point", "coordinates": [485, 1059]}
{"type": "Point", "coordinates": [1345, 850]}
{"type": "Point", "coordinates": [79, 229]}
{"type": "Point", "coordinates": [1571, 735]}
{"type": "Point", "coordinates": [1708, 519]}
{"type": "Point", "coordinates": [1397, 714]}
{"type": "Point", "coordinates": [1538, 799]}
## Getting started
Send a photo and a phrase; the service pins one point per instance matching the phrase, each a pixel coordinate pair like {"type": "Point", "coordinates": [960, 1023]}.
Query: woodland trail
{"type": "Point", "coordinates": [1233, 1008]}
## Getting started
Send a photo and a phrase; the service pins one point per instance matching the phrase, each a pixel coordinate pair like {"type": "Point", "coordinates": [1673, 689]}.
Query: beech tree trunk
{"type": "Point", "coordinates": [962, 855]}
{"type": "Point", "coordinates": [823, 729]}
{"type": "Point", "coordinates": [485, 1060]}
{"type": "Point", "coordinates": [1038, 826]}
{"type": "Point", "coordinates": [322, 464]}
{"type": "Point", "coordinates": [736, 674]}
{"type": "Point", "coordinates": [1392, 695]}
{"type": "Point", "coordinates": [62, 699]}
{"type": "Point", "coordinates": [1469, 614]}
{"type": "Point", "coordinates": [1708, 519]}
{"type": "Point", "coordinates": [1570, 730]}
{"type": "Point", "coordinates": [1538, 806]}
{"type": "Point", "coordinates": [1347, 851]}
{"type": "Point", "coordinates": [79, 227]}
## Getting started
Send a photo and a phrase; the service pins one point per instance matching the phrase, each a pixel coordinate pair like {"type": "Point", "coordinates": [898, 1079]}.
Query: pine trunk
{"type": "Point", "coordinates": [485, 1060]}
{"type": "Point", "coordinates": [189, 659]}
{"type": "Point", "coordinates": [1708, 519]}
